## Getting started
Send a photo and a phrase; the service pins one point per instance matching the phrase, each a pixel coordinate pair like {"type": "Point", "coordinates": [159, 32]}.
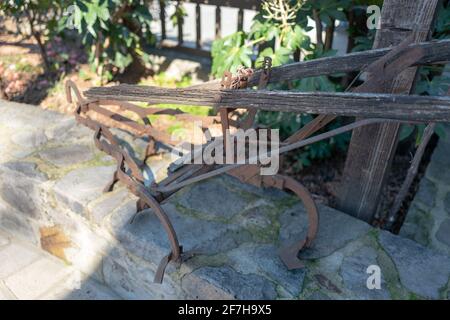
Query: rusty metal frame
{"type": "Point", "coordinates": [129, 171]}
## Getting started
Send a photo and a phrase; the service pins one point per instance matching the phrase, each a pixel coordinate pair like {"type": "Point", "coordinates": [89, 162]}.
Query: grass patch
{"type": "Point", "coordinates": [57, 89]}
{"type": "Point", "coordinates": [175, 127]}
{"type": "Point", "coordinates": [20, 64]}
{"type": "Point", "coordinates": [195, 110]}
{"type": "Point", "coordinates": [163, 80]}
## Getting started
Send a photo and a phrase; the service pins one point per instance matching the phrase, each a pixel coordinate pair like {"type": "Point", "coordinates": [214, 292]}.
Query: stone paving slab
{"type": "Point", "coordinates": [27, 272]}
{"type": "Point", "coordinates": [14, 257]}
{"type": "Point", "coordinates": [4, 240]}
{"type": "Point", "coordinates": [423, 272]}
{"type": "Point", "coordinates": [90, 289]}
{"type": "Point", "coordinates": [234, 230]}
{"type": "Point", "coordinates": [5, 293]}
{"type": "Point", "coordinates": [36, 278]}
{"type": "Point", "coordinates": [67, 155]}
{"type": "Point", "coordinates": [81, 186]}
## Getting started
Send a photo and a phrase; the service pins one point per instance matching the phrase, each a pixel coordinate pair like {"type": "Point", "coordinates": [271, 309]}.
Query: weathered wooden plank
{"type": "Point", "coordinates": [180, 26]}
{"type": "Point", "coordinates": [198, 18]}
{"type": "Point", "coordinates": [240, 22]}
{"type": "Point", "coordinates": [402, 107]}
{"type": "Point", "coordinates": [436, 51]}
{"type": "Point", "coordinates": [372, 148]}
{"type": "Point", "coordinates": [218, 22]}
{"type": "Point", "coordinates": [162, 18]}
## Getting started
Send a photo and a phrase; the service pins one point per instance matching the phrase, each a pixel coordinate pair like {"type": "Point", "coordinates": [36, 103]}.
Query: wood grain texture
{"type": "Point", "coordinates": [436, 51]}
{"type": "Point", "coordinates": [386, 106]}
{"type": "Point", "coordinates": [372, 148]}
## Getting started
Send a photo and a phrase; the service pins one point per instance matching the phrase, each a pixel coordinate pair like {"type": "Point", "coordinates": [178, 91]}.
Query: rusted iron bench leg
{"type": "Point", "coordinates": [175, 254]}
{"type": "Point", "coordinates": [146, 200]}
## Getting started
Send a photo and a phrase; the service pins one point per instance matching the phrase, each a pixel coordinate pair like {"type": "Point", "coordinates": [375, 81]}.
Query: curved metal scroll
{"type": "Point", "coordinates": [289, 254]}
{"type": "Point", "coordinates": [128, 172]}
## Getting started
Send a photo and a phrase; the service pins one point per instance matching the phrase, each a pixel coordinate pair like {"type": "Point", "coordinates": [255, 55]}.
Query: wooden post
{"type": "Point", "coordinates": [372, 148]}
{"type": "Point", "coordinates": [162, 17]}
{"type": "Point", "coordinates": [218, 22]}
{"type": "Point", "coordinates": [198, 18]}
{"type": "Point", "coordinates": [240, 25]}
{"type": "Point", "coordinates": [180, 25]}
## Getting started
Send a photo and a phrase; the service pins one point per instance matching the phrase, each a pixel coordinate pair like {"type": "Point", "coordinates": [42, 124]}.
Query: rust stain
{"type": "Point", "coordinates": [326, 283]}
{"type": "Point", "coordinates": [54, 241]}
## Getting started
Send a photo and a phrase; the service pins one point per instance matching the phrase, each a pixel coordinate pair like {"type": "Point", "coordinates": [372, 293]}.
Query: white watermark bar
{"type": "Point", "coordinates": [257, 147]}
{"type": "Point", "coordinates": [374, 17]}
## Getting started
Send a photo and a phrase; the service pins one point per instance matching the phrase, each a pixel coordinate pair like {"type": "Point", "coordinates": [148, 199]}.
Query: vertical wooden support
{"type": "Point", "coordinates": [372, 148]}
{"type": "Point", "coordinates": [162, 17]}
{"type": "Point", "coordinates": [218, 22]}
{"type": "Point", "coordinates": [180, 25]}
{"type": "Point", "coordinates": [198, 18]}
{"type": "Point", "coordinates": [240, 24]}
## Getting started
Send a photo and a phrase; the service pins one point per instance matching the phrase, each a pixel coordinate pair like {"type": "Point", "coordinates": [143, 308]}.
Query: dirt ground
{"type": "Point", "coordinates": [23, 79]}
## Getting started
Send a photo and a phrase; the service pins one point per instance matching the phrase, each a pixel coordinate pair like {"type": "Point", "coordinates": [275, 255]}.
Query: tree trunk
{"type": "Point", "coordinates": [351, 22]}
{"type": "Point", "coordinates": [37, 37]}
{"type": "Point", "coordinates": [318, 27]}
{"type": "Point", "coordinates": [329, 36]}
{"type": "Point", "coordinates": [2, 91]}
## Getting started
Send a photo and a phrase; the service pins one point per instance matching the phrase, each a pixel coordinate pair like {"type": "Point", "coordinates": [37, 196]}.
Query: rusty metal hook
{"type": "Point", "coordinates": [289, 254]}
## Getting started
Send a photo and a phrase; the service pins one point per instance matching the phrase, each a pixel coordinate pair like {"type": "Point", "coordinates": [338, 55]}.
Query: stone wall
{"type": "Point", "coordinates": [428, 219]}
{"type": "Point", "coordinates": [51, 175]}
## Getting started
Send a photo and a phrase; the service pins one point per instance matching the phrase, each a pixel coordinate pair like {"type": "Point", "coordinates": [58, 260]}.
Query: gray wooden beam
{"type": "Point", "coordinates": [372, 148]}
{"type": "Point", "coordinates": [436, 52]}
{"type": "Point", "coordinates": [387, 106]}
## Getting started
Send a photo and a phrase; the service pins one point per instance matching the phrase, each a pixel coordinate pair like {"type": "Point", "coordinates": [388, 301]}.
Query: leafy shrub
{"type": "Point", "coordinates": [275, 25]}
{"type": "Point", "coordinates": [114, 32]}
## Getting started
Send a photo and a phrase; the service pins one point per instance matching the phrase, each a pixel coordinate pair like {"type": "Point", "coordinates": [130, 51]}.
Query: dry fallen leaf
{"type": "Point", "coordinates": [54, 241]}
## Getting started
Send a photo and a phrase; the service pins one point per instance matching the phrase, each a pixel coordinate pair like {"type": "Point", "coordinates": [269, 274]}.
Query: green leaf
{"type": "Point", "coordinates": [325, 18]}
{"type": "Point", "coordinates": [245, 59]}
{"type": "Point", "coordinates": [406, 131]}
{"type": "Point", "coordinates": [77, 18]}
{"type": "Point", "coordinates": [338, 15]}
{"type": "Point", "coordinates": [103, 12]}
{"type": "Point", "coordinates": [272, 33]}
{"type": "Point", "coordinates": [91, 16]}
{"type": "Point", "coordinates": [420, 130]}
{"type": "Point", "coordinates": [441, 131]}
